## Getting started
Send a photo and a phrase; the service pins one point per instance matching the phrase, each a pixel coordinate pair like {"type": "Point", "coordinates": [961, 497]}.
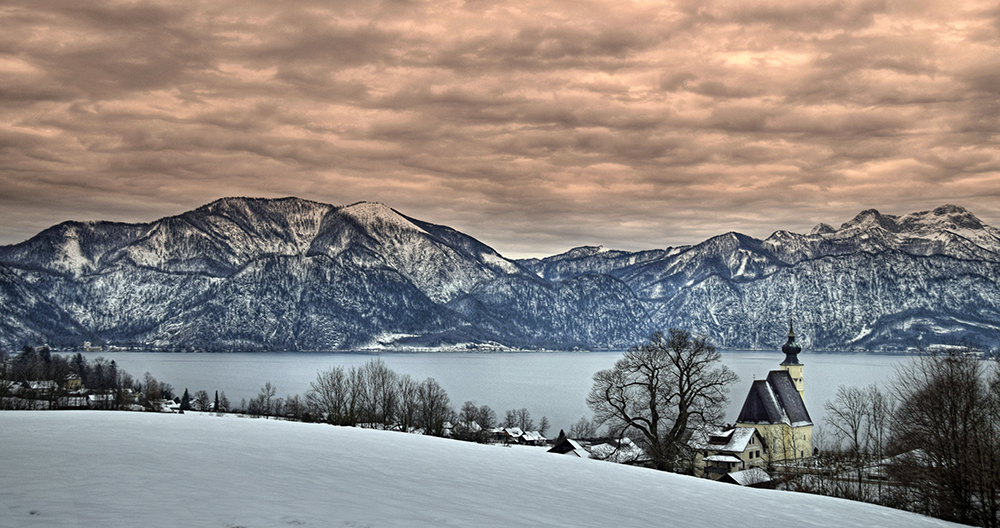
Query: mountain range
{"type": "Point", "coordinates": [290, 274]}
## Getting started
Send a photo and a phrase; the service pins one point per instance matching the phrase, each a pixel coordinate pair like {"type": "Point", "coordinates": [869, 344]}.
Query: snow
{"type": "Point", "coordinates": [376, 215]}
{"type": "Point", "coordinates": [93, 468]}
{"type": "Point", "coordinates": [749, 477]}
{"type": "Point", "coordinates": [740, 439]}
{"type": "Point", "coordinates": [499, 262]}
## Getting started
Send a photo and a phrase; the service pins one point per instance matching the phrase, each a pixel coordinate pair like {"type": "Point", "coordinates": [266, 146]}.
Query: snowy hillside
{"type": "Point", "coordinates": [69, 469]}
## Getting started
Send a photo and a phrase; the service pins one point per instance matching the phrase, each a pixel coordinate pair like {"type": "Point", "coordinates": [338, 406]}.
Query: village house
{"type": "Point", "coordinates": [734, 449]}
{"type": "Point", "coordinates": [621, 451]}
{"type": "Point", "coordinates": [73, 382]}
{"type": "Point", "coordinates": [568, 446]}
{"type": "Point", "coordinates": [514, 435]}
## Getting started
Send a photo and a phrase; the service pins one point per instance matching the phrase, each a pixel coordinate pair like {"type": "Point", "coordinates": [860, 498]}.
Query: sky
{"type": "Point", "coordinates": [534, 126]}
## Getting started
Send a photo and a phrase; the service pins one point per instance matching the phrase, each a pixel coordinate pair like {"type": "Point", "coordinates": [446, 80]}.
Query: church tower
{"type": "Point", "coordinates": [776, 408]}
{"type": "Point", "coordinates": [791, 363]}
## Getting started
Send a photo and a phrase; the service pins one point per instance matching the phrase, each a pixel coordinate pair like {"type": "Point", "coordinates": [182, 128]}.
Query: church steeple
{"type": "Point", "coordinates": [791, 348]}
{"type": "Point", "coordinates": [791, 363]}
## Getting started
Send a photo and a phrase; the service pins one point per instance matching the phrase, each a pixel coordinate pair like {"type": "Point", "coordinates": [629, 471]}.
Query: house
{"type": "Point", "coordinates": [73, 382]}
{"type": "Point", "coordinates": [775, 408]}
{"type": "Point", "coordinates": [753, 477]}
{"type": "Point", "coordinates": [101, 401]}
{"type": "Point", "coordinates": [74, 401]}
{"type": "Point", "coordinates": [514, 435]}
{"type": "Point", "coordinates": [620, 451]}
{"type": "Point", "coordinates": [42, 389]}
{"type": "Point", "coordinates": [571, 447]}
{"type": "Point", "coordinates": [533, 438]}
{"type": "Point", "coordinates": [734, 449]}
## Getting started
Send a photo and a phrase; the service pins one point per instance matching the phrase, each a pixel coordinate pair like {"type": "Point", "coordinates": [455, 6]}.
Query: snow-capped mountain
{"type": "Point", "coordinates": [291, 274]}
{"type": "Point", "coordinates": [879, 281]}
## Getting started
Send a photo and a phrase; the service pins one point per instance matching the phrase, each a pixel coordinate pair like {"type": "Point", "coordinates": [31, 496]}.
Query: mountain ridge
{"type": "Point", "coordinates": [294, 274]}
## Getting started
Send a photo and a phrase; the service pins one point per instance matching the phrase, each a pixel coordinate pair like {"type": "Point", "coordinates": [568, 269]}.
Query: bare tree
{"type": "Point", "coordinates": [327, 396]}
{"type": "Point", "coordinates": [661, 391]}
{"type": "Point", "coordinates": [947, 431]}
{"type": "Point", "coordinates": [224, 405]}
{"type": "Point", "coordinates": [409, 402]}
{"type": "Point", "coordinates": [381, 393]}
{"type": "Point", "coordinates": [583, 428]}
{"type": "Point", "coordinates": [469, 426]}
{"type": "Point", "coordinates": [858, 419]}
{"type": "Point", "coordinates": [201, 401]}
{"type": "Point", "coordinates": [435, 407]}
{"type": "Point", "coordinates": [152, 387]}
{"type": "Point", "coordinates": [486, 417]}
{"type": "Point", "coordinates": [294, 407]}
{"type": "Point", "coordinates": [520, 418]}
{"type": "Point", "coordinates": [265, 399]}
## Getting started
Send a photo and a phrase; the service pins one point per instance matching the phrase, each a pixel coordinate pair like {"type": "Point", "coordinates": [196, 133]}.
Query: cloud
{"type": "Point", "coordinates": [534, 125]}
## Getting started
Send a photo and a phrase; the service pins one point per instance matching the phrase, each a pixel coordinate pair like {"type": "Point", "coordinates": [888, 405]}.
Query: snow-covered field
{"type": "Point", "coordinates": [97, 469]}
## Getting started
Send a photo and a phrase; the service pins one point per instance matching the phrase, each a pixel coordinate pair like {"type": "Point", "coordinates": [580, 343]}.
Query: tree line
{"type": "Point", "coordinates": [373, 395]}
{"type": "Point", "coordinates": [98, 376]}
{"type": "Point", "coordinates": [929, 443]}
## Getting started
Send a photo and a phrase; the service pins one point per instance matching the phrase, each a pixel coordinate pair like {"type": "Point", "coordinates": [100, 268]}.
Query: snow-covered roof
{"type": "Point", "coordinates": [620, 451]}
{"type": "Point", "coordinates": [723, 458]}
{"type": "Point", "coordinates": [732, 440]}
{"type": "Point", "coordinates": [740, 439]}
{"type": "Point", "coordinates": [532, 436]}
{"type": "Point", "coordinates": [570, 447]}
{"type": "Point", "coordinates": [749, 477]}
{"type": "Point", "coordinates": [513, 432]}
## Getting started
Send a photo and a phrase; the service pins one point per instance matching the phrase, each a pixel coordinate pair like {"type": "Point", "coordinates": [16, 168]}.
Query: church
{"type": "Point", "coordinates": [773, 427]}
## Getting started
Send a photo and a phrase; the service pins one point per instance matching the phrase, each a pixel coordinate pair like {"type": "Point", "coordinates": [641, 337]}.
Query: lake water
{"type": "Point", "coordinates": [552, 384]}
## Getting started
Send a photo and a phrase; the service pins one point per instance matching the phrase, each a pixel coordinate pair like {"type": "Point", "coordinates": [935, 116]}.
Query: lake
{"type": "Point", "coordinates": [552, 384]}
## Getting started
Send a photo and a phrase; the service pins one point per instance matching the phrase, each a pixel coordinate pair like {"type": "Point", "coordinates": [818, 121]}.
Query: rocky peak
{"type": "Point", "coordinates": [377, 216]}
{"type": "Point", "coordinates": [870, 219]}
{"type": "Point", "coordinates": [946, 217]}
{"type": "Point", "coordinates": [822, 229]}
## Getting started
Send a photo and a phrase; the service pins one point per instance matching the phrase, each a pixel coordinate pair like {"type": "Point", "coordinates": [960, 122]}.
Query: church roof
{"type": "Point", "coordinates": [774, 400]}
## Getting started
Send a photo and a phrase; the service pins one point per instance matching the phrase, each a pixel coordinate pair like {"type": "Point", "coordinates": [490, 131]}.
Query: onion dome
{"type": "Point", "coordinates": [791, 348]}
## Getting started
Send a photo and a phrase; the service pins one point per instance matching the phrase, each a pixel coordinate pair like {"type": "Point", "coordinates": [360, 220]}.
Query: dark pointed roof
{"type": "Point", "coordinates": [774, 400]}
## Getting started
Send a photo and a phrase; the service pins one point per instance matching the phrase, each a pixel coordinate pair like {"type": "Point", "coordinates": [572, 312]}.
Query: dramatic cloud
{"type": "Point", "coordinates": [535, 126]}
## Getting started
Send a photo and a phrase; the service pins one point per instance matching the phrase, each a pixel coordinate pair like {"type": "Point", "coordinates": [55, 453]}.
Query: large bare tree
{"type": "Point", "coordinates": [661, 391]}
{"type": "Point", "coordinates": [947, 429]}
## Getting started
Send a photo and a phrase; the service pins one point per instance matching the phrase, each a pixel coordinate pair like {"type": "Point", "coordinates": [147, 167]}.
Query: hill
{"type": "Point", "coordinates": [155, 470]}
